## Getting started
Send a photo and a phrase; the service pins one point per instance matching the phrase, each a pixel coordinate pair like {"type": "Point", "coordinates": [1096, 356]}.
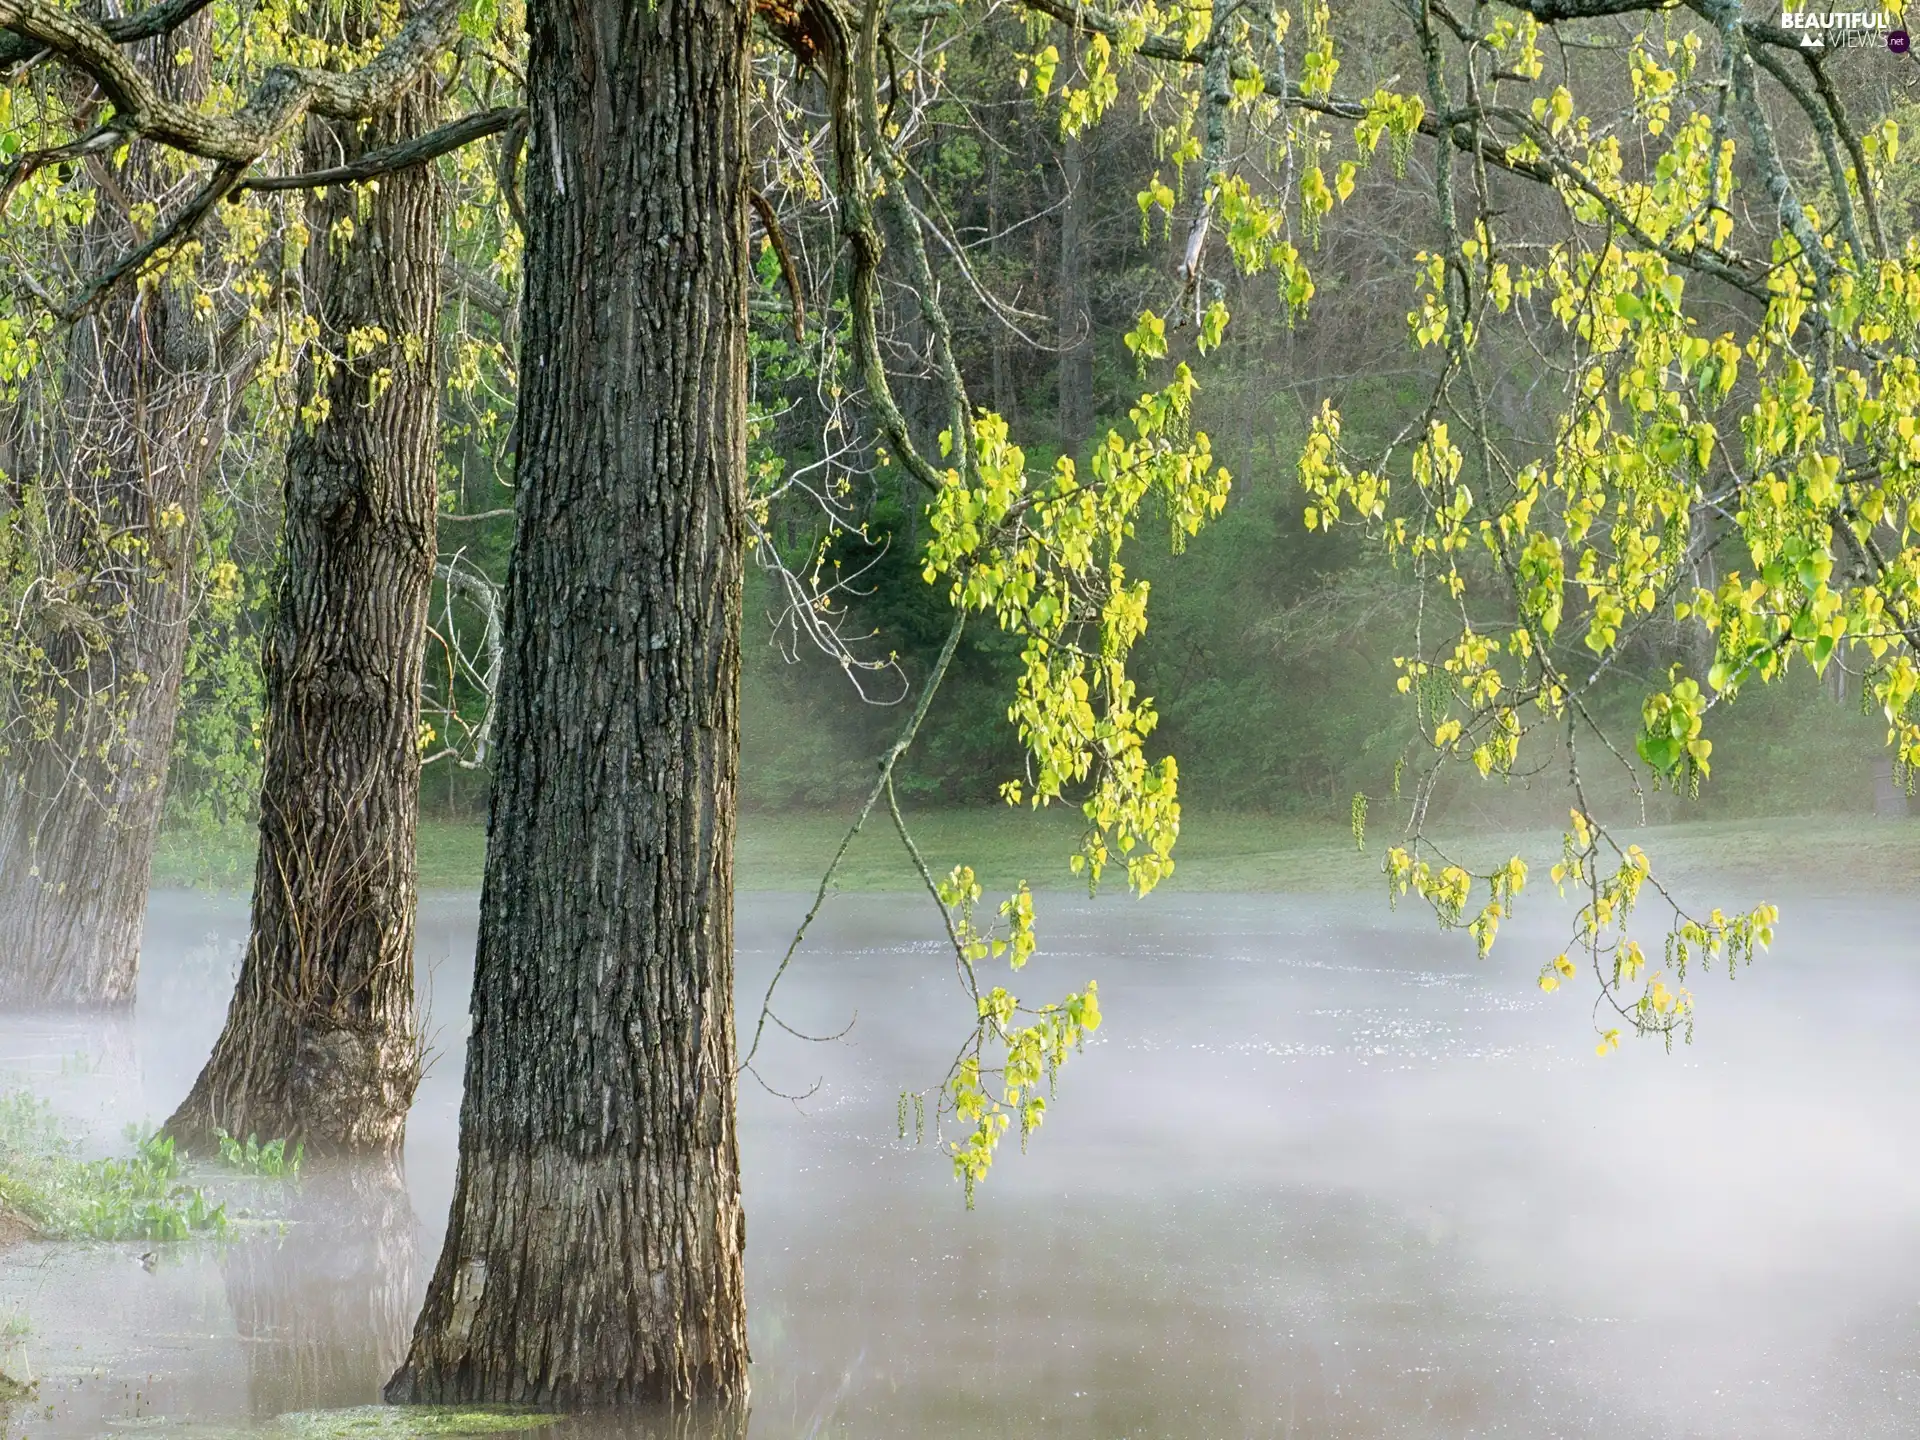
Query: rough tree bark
{"type": "Point", "coordinates": [320, 1043]}
{"type": "Point", "coordinates": [594, 1252]}
{"type": "Point", "coordinates": [119, 462]}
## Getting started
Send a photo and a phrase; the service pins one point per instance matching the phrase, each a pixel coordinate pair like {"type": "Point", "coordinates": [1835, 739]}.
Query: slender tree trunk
{"type": "Point", "coordinates": [1075, 312]}
{"type": "Point", "coordinates": [320, 1041]}
{"type": "Point", "coordinates": [594, 1252]}
{"type": "Point", "coordinates": [118, 464]}
{"type": "Point", "coordinates": [1001, 339]}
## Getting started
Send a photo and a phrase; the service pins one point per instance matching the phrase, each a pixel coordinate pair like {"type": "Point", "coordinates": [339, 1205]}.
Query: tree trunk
{"type": "Point", "coordinates": [594, 1251]}
{"type": "Point", "coordinates": [320, 1042]}
{"type": "Point", "coordinates": [1000, 338]}
{"type": "Point", "coordinates": [118, 461]}
{"type": "Point", "coordinates": [1075, 329]}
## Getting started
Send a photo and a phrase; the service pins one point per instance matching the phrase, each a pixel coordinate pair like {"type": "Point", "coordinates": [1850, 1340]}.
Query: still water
{"type": "Point", "coordinates": [1322, 1174]}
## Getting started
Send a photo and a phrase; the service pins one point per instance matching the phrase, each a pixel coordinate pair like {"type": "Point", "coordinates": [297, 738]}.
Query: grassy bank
{"type": "Point", "coordinates": [1217, 852]}
{"type": "Point", "coordinates": [46, 1189]}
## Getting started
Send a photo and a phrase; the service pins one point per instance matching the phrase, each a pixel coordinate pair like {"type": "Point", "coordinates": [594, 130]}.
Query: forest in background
{"type": "Point", "coordinates": [1269, 651]}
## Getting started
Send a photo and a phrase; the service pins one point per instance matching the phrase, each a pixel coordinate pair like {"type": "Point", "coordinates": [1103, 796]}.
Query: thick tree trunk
{"type": "Point", "coordinates": [594, 1252]}
{"type": "Point", "coordinates": [320, 1043]}
{"type": "Point", "coordinates": [1075, 328]}
{"type": "Point", "coordinates": [80, 808]}
{"type": "Point", "coordinates": [118, 463]}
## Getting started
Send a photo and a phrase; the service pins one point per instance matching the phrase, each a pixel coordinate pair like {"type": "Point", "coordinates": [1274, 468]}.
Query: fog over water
{"type": "Point", "coordinates": [1322, 1173]}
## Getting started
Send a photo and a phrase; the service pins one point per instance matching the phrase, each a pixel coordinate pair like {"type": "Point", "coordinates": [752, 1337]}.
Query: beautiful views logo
{"type": "Point", "coordinates": [1846, 29]}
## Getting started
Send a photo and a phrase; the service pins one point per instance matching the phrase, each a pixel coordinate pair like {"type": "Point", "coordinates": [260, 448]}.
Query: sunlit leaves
{"type": "Point", "coordinates": [1319, 63]}
{"type": "Point", "coordinates": [1670, 739]}
{"type": "Point", "coordinates": [1017, 1047]}
{"type": "Point", "coordinates": [1394, 115]}
{"type": "Point", "coordinates": [1746, 470]}
{"type": "Point", "coordinates": [1044, 555]}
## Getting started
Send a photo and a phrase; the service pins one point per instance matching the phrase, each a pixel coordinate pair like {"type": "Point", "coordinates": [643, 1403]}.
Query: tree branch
{"type": "Point", "coordinates": [121, 29]}
{"type": "Point", "coordinates": [101, 137]}
{"type": "Point", "coordinates": [404, 156]}
{"type": "Point", "coordinates": [173, 233]}
{"type": "Point", "coordinates": [284, 94]}
{"type": "Point", "coordinates": [881, 785]}
{"type": "Point", "coordinates": [776, 238]}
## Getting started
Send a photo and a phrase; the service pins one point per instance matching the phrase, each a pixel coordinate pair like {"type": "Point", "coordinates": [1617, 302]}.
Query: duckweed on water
{"type": "Point", "coordinates": [371, 1422]}
{"type": "Point", "coordinates": [404, 1422]}
{"type": "Point", "coordinates": [139, 1197]}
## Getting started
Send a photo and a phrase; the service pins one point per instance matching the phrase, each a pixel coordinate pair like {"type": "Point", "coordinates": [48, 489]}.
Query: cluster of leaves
{"type": "Point", "coordinates": [1737, 450]}
{"type": "Point", "coordinates": [250, 1157]}
{"type": "Point", "coordinates": [1043, 554]}
{"type": "Point", "coordinates": [1044, 558]}
{"type": "Point", "coordinates": [996, 1081]}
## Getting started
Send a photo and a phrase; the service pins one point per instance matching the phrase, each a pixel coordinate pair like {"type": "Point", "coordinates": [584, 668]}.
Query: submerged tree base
{"type": "Point", "coordinates": [336, 1090]}
{"type": "Point", "coordinates": [586, 1284]}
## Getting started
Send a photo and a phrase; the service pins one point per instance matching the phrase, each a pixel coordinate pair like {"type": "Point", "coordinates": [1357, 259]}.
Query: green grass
{"type": "Point", "coordinates": [1217, 852]}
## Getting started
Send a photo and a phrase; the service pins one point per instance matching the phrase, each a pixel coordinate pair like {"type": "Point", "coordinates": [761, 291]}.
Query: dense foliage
{"type": "Point", "coordinates": [1302, 410]}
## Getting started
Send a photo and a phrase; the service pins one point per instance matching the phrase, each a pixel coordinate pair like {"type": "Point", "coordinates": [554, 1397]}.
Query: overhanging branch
{"type": "Point", "coordinates": [153, 21]}
{"type": "Point", "coordinates": [404, 156]}
{"type": "Point", "coordinates": [284, 94]}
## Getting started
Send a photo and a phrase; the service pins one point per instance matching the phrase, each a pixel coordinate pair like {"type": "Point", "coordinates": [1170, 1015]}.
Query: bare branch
{"type": "Point", "coordinates": [284, 94]}
{"type": "Point", "coordinates": [153, 21]}
{"type": "Point", "coordinates": [882, 785]}
{"type": "Point", "coordinates": [404, 156]}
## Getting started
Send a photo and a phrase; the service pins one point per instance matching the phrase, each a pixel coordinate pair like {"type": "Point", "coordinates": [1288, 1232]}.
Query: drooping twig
{"type": "Point", "coordinates": [933, 888]}
{"type": "Point", "coordinates": [883, 784]}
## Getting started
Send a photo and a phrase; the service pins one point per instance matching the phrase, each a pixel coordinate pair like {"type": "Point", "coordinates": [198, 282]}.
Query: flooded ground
{"type": "Point", "coordinates": [1323, 1174]}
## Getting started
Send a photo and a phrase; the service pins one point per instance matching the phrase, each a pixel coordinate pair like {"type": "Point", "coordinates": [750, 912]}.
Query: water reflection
{"type": "Point", "coordinates": [652, 1424]}
{"type": "Point", "coordinates": [325, 1301]}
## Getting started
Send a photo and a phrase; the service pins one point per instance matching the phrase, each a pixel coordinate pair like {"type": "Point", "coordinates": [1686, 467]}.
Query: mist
{"type": "Point", "coordinates": [1322, 1173]}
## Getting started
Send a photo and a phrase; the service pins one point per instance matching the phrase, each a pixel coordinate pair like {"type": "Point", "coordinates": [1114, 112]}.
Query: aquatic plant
{"type": "Point", "coordinates": [138, 1197]}
{"type": "Point", "coordinates": [250, 1156]}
